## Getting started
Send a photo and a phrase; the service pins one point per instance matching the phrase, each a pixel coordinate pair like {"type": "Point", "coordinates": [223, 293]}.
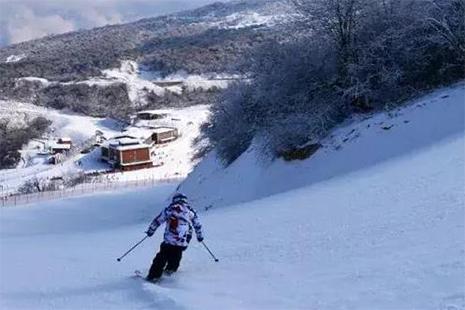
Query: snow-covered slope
{"type": "Point", "coordinates": [175, 158]}
{"type": "Point", "coordinates": [64, 123]}
{"type": "Point", "coordinates": [172, 160]}
{"type": "Point", "coordinates": [95, 71]}
{"type": "Point", "coordinates": [34, 165]}
{"type": "Point", "coordinates": [355, 145]}
{"type": "Point", "coordinates": [386, 234]}
{"type": "Point", "coordinates": [141, 83]}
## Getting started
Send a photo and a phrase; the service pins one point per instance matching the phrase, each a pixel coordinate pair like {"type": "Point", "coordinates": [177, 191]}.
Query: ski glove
{"type": "Point", "coordinates": [150, 232]}
{"type": "Point", "coordinates": [199, 239]}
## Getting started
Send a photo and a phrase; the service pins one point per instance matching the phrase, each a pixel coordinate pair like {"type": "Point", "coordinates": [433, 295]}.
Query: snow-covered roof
{"type": "Point", "coordinates": [60, 146]}
{"type": "Point", "coordinates": [141, 133]}
{"type": "Point", "coordinates": [66, 139]}
{"type": "Point", "coordinates": [116, 139]}
{"type": "Point", "coordinates": [130, 147]}
{"type": "Point", "coordinates": [165, 111]}
{"type": "Point", "coordinates": [125, 141]}
{"type": "Point", "coordinates": [123, 136]}
{"type": "Point", "coordinates": [162, 129]}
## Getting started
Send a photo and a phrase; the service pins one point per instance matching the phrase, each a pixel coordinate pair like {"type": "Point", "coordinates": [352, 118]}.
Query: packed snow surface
{"type": "Point", "coordinates": [387, 234]}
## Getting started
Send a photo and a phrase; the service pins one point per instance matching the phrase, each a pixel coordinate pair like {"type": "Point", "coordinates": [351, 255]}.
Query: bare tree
{"type": "Point", "coordinates": [448, 18]}
{"type": "Point", "coordinates": [356, 56]}
{"type": "Point", "coordinates": [339, 19]}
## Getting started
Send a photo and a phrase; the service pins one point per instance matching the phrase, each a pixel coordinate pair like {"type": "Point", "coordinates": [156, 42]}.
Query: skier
{"type": "Point", "coordinates": [179, 218]}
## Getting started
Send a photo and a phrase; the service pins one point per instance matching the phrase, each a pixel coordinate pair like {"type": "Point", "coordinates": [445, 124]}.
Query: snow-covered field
{"type": "Point", "coordinates": [173, 159]}
{"type": "Point", "coordinates": [140, 82]}
{"type": "Point", "coordinates": [65, 124]}
{"type": "Point", "coordinates": [77, 127]}
{"type": "Point", "coordinates": [387, 233]}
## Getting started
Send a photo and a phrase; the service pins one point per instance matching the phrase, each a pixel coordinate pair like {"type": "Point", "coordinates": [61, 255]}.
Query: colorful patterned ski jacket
{"type": "Point", "coordinates": [179, 218]}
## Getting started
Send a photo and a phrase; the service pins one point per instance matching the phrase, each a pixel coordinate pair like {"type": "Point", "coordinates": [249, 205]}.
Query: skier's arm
{"type": "Point", "coordinates": [157, 221]}
{"type": "Point", "coordinates": [197, 226]}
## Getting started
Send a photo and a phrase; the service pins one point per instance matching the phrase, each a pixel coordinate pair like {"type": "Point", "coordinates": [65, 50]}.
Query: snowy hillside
{"type": "Point", "coordinates": [78, 127]}
{"type": "Point", "coordinates": [141, 84]}
{"type": "Point", "coordinates": [172, 160]}
{"type": "Point", "coordinates": [94, 71]}
{"type": "Point", "coordinates": [381, 228]}
{"type": "Point", "coordinates": [356, 144]}
{"type": "Point", "coordinates": [34, 164]}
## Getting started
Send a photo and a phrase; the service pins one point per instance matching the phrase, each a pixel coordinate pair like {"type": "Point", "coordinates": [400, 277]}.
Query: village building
{"type": "Point", "coordinates": [127, 153]}
{"type": "Point", "coordinates": [153, 114]}
{"type": "Point", "coordinates": [155, 118]}
{"type": "Point", "coordinates": [164, 134]}
{"type": "Point", "coordinates": [134, 147]}
{"type": "Point", "coordinates": [142, 134]}
{"type": "Point", "coordinates": [61, 148]}
{"type": "Point", "coordinates": [65, 140]}
{"type": "Point", "coordinates": [149, 135]}
{"type": "Point", "coordinates": [56, 159]}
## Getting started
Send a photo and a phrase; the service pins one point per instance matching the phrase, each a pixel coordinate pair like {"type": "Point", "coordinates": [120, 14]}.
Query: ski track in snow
{"type": "Point", "coordinates": [389, 235]}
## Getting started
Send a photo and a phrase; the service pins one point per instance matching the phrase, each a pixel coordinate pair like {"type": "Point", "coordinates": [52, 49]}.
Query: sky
{"type": "Point", "coordinates": [22, 20]}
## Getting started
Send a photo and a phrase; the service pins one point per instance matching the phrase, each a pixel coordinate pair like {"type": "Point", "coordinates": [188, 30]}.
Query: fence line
{"type": "Point", "coordinates": [82, 189]}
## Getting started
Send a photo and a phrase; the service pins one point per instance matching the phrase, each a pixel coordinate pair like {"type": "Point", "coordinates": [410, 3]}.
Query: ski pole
{"type": "Point", "coordinates": [213, 256]}
{"type": "Point", "coordinates": [135, 245]}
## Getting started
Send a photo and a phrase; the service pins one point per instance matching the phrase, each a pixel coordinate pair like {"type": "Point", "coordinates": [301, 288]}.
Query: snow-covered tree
{"type": "Point", "coordinates": [346, 56]}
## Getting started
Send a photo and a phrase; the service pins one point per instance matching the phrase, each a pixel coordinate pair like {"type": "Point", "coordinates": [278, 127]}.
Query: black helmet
{"type": "Point", "coordinates": [178, 197]}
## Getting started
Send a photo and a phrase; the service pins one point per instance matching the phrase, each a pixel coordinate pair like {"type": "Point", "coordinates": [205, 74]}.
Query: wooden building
{"type": "Point", "coordinates": [61, 148]}
{"type": "Point", "coordinates": [127, 154]}
{"type": "Point", "coordinates": [164, 134]}
{"type": "Point", "coordinates": [65, 140]}
{"type": "Point", "coordinates": [56, 159]}
{"type": "Point", "coordinates": [151, 135]}
{"type": "Point", "coordinates": [152, 114]}
{"type": "Point", "coordinates": [155, 118]}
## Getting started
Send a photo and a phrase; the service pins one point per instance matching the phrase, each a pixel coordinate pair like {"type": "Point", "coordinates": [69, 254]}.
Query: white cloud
{"type": "Point", "coordinates": [95, 18]}
{"type": "Point", "coordinates": [26, 26]}
{"type": "Point", "coordinates": [22, 20]}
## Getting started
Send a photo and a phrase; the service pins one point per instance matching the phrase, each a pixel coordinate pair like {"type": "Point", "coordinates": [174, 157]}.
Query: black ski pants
{"type": "Point", "coordinates": [169, 256]}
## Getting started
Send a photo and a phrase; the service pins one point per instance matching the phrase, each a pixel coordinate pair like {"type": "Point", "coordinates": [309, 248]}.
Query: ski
{"type": "Point", "coordinates": [139, 275]}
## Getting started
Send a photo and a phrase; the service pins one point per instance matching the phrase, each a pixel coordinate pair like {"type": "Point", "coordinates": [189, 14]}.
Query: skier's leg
{"type": "Point", "coordinates": [174, 258]}
{"type": "Point", "coordinates": [158, 263]}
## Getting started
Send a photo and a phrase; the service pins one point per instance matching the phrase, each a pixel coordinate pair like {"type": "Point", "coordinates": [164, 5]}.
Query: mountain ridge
{"type": "Point", "coordinates": [211, 39]}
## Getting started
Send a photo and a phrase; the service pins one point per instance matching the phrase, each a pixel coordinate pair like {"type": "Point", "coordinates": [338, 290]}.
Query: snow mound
{"type": "Point", "coordinates": [15, 58]}
{"type": "Point", "coordinates": [137, 86]}
{"type": "Point", "coordinates": [249, 19]}
{"type": "Point", "coordinates": [42, 81]}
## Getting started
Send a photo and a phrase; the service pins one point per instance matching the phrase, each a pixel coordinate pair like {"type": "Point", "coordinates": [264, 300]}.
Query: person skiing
{"type": "Point", "coordinates": [179, 218]}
